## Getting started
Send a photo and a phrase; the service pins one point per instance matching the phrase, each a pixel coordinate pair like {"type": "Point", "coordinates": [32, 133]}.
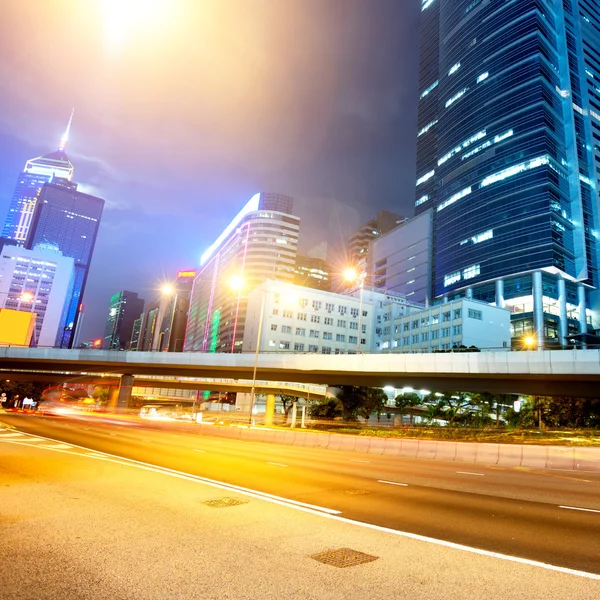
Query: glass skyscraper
{"type": "Point", "coordinates": [508, 157]}
{"type": "Point", "coordinates": [36, 173]}
{"type": "Point", "coordinates": [67, 220]}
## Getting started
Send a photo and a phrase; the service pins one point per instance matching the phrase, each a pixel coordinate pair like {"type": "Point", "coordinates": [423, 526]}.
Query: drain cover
{"type": "Point", "coordinates": [344, 557]}
{"type": "Point", "coordinates": [224, 502]}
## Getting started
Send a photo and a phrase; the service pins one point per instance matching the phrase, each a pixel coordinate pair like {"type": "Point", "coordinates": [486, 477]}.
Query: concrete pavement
{"type": "Point", "coordinates": [76, 526]}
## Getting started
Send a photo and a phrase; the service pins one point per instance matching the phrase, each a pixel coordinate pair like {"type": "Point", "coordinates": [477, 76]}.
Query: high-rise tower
{"type": "Point", "coordinates": [260, 243]}
{"type": "Point", "coordinates": [508, 156]}
{"type": "Point", "coordinates": [36, 173]}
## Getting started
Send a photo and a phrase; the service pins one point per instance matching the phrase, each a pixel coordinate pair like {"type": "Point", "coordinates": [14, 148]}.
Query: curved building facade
{"type": "Point", "coordinates": [508, 156]}
{"type": "Point", "coordinates": [260, 243]}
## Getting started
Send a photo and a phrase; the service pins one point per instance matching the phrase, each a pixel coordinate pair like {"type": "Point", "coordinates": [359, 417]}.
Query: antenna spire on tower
{"type": "Point", "coordinates": [65, 137]}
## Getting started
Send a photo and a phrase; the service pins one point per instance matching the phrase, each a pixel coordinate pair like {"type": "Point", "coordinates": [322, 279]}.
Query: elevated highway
{"type": "Point", "coordinates": [543, 372]}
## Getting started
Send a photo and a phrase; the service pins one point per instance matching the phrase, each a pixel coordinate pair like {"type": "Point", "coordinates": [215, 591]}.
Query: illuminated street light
{"type": "Point", "coordinates": [236, 283]}
{"type": "Point", "coordinates": [26, 297]}
{"type": "Point", "coordinates": [529, 342]}
{"type": "Point", "coordinates": [351, 275]}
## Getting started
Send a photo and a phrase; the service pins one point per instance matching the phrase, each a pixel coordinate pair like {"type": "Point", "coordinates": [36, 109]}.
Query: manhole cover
{"type": "Point", "coordinates": [357, 492]}
{"type": "Point", "coordinates": [344, 557]}
{"type": "Point", "coordinates": [224, 502]}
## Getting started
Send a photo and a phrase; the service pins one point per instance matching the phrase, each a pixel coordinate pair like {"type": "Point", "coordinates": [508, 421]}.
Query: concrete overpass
{"type": "Point", "coordinates": [542, 372]}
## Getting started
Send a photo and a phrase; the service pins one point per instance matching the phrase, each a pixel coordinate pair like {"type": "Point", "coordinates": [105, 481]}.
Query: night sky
{"type": "Point", "coordinates": [185, 109]}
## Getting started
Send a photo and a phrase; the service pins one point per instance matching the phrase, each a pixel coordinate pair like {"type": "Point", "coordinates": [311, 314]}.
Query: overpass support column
{"type": "Point", "coordinates": [125, 388]}
{"type": "Point", "coordinates": [500, 293]}
{"type": "Point", "coordinates": [270, 409]}
{"type": "Point", "coordinates": [538, 309]}
{"type": "Point", "coordinates": [563, 328]}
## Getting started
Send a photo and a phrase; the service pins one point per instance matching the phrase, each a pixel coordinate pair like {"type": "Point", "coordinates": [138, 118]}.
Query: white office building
{"type": "Point", "coordinates": [38, 281]}
{"type": "Point", "coordinates": [300, 319]}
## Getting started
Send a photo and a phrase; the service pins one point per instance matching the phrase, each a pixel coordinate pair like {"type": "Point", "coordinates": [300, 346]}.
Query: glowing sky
{"type": "Point", "coordinates": [184, 111]}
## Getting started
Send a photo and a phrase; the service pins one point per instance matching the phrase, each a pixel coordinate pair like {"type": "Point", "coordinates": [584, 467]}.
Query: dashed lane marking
{"type": "Point", "coordinates": [360, 461]}
{"type": "Point", "coordinates": [469, 473]}
{"type": "Point", "coordinates": [392, 483]}
{"type": "Point", "coordinates": [277, 464]}
{"type": "Point", "coordinates": [582, 509]}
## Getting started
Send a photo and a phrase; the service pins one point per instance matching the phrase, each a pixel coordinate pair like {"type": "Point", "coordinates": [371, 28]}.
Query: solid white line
{"type": "Point", "coordinates": [55, 446]}
{"type": "Point", "coordinates": [361, 461]}
{"type": "Point", "coordinates": [392, 482]}
{"type": "Point", "coordinates": [469, 473]}
{"type": "Point", "coordinates": [583, 509]}
{"type": "Point", "coordinates": [11, 435]}
{"type": "Point", "coordinates": [333, 514]}
{"type": "Point", "coordinates": [277, 464]}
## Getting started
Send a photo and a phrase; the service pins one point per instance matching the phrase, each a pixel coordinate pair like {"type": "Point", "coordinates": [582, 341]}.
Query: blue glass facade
{"type": "Point", "coordinates": [68, 220]}
{"type": "Point", "coordinates": [508, 153]}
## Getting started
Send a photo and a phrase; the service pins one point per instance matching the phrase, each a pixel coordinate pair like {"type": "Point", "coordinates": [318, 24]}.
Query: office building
{"type": "Point", "coordinates": [173, 307]}
{"type": "Point", "coordinates": [125, 308]}
{"type": "Point", "coordinates": [358, 243]}
{"type": "Point", "coordinates": [35, 174]}
{"type": "Point", "coordinates": [400, 260]}
{"type": "Point", "coordinates": [38, 281]}
{"type": "Point", "coordinates": [68, 220]}
{"type": "Point", "coordinates": [260, 243]}
{"type": "Point", "coordinates": [312, 272]}
{"type": "Point", "coordinates": [299, 319]}
{"type": "Point", "coordinates": [508, 156]}
{"type": "Point", "coordinates": [143, 328]}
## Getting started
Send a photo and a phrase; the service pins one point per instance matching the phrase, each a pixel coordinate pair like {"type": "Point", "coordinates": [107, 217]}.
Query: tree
{"type": "Point", "coordinates": [451, 406]}
{"type": "Point", "coordinates": [288, 403]}
{"type": "Point", "coordinates": [326, 409]}
{"type": "Point", "coordinates": [407, 401]}
{"type": "Point", "coordinates": [373, 401]}
{"type": "Point", "coordinates": [22, 389]}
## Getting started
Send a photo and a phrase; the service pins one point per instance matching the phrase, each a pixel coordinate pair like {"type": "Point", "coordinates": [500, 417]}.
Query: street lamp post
{"type": "Point", "coordinates": [256, 353]}
{"type": "Point", "coordinates": [352, 276]}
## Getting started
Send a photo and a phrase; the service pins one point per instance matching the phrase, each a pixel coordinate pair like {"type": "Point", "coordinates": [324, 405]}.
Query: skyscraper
{"type": "Point", "coordinates": [508, 156]}
{"type": "Point", "coordinates": [36, 173]}
{"type": "Point", "coordinates": [68, 220]}
{"type": "Point", "coordinates": [125, 308]}
{"type": "Point", "coordinates": [260, 243]}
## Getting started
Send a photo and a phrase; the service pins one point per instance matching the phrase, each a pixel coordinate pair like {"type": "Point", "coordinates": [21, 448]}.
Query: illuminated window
{"type": "Point", "coordinates": [515, 170]}
{"type": "Point", "coordinates": [454, 68]}
{"type": "Point", "coordinates": [426, 91]}
{"type": "Point", "coordinates": [425, 177]}
{"type": "Point", "coordinates": [451, 278]}
{"type": "Point", "coordinates": [456, 97]}
{"type": "Point", "coordinates": [422, 200]}
{"type": "Point", "coordinates": [455, 198]}
{"type": "Point", "coordinates": [426, 128]}
{"type": "Point", "coordinates": [483, 77]}
{"type": "Point", "coordinates": [472, 271]}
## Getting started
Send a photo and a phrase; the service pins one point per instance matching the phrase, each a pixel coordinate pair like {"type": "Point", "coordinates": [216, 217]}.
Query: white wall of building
{"type": "Point", "coordinates": [45, 274]}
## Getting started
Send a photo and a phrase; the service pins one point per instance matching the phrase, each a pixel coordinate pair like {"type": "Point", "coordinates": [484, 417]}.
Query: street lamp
{"type": "Point", "coordinates": [351, 275]}
{"type": "Point", "coordinates": [529, 342]}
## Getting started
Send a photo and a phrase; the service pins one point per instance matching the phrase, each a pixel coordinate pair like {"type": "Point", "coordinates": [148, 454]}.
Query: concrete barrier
{"type": "Point", "coordinates": [392, 447]}
{"type": "Point", "coordinates": [348, 443]}
{"type": "Point", "coordinates": [560, 457]}
{"type": "Point", "coordinates": [507, 455]}
{"type": "Point", "coordinates": [446, 451]}
{"type": "Point", "coordinates": [409, 448]}
{"type": "Point", "coordinates": [466, 452]}
{"type": "Point", "coordinates": [535, 457]}
{"type": "Point", "coordinates": [427, 449]}
{"type": "Point", "coordinates": [510, 455]}
{"type": "Point", "coordinates": [487, 454]}
{"type": "Point", "coordinates": [363, 443]}
{"type": "Point", "coordinates": [586, 459]}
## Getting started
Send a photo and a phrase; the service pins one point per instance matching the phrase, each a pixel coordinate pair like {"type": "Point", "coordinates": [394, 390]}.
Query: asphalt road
{"type": "Point", "coordinates": [547, 516]}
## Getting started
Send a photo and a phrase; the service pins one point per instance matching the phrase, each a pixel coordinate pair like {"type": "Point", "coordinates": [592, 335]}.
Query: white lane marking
{"type": "Point", "coordinates": [55, 446]}
{"type": "Point", "coordinates": [392, 482]}
{"type": "Point", "coordinates": [113, 433]}
{"type": "Point", "coordinates": [327, 512]}
{"type": "Point", "coordinates": [361, 461]}
{"type": "Point", "coordinates": [583, 509]}
{"type": "Point", "coordinates": [277, 464]}
{"type": "Point", "coordinates": [149, 441]}
{"type": "Point", "coordinates": [469, 473]}
{"type": "Point", "coordinates": [128, 462]}
{"type": "Point", "coordinates": [85, 428]}
{"type": "Point", "coordinates": [11, 435]}
{"type": "Point", "coordinates": [196, 450]}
